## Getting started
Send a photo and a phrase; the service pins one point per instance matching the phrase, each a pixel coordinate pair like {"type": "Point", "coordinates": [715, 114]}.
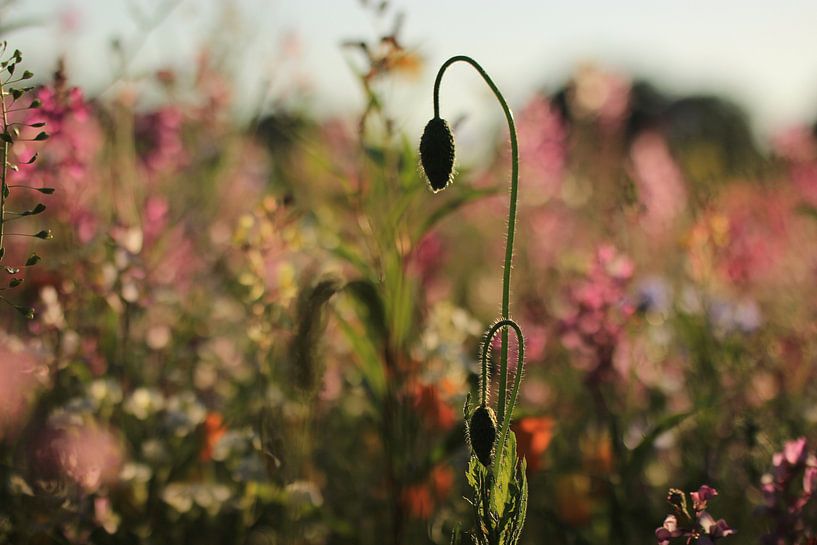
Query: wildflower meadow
{"type": "Point", "coordinates": [594, 323]}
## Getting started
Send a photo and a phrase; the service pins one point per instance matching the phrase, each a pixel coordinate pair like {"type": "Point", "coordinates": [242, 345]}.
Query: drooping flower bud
{"type": "Point", "coordinates": [482, 434]}
{"type": "Point", "coordinates": [437, 154]}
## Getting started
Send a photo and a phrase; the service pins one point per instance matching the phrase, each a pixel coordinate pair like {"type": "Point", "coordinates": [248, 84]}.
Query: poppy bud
{"type": "Point", "coordinates": [437, 153]}
{"type": "Point", "coordinates": [482, 434]}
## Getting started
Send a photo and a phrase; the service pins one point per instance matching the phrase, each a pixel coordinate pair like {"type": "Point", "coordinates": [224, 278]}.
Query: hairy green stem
{"type": "Point", "coordinates": [3, 169]}
{"type": "Point", "coordinates": [506, 276]}
{"type": "Point", "coordinates": [520, 367]}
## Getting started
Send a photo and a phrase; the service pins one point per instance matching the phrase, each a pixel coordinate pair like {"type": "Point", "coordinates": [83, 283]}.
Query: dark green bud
{"type": "Point", "coordinates": [482, 434]}
{"type": "Point", "coordinates": [437, 153]}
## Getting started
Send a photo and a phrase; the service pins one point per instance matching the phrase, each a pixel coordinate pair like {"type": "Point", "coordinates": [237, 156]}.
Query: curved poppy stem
{"type": "Point", "coordinates": [520, 368]}
{"type": "Point", "coordinates": [506, 276]}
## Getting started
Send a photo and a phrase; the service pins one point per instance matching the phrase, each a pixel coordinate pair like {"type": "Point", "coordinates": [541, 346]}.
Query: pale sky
{"type": "Point", "coordinates": [762, 54]}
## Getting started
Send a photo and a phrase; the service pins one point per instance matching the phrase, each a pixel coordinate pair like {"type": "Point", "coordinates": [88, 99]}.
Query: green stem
{"type": "Point", "coordinates": [3, 169]}
{"type": "Point", "coordinates": [506, 276]}
{"type": "Point", "coordinates": [520, 367]}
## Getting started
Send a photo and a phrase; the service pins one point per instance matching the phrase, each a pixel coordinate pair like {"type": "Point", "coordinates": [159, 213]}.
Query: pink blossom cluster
{"type": "Point", "coordinates": [542, 149]}
{"type": "Point", "coordinates": [696, 527]}
{"type": "Point", "coordinates": [159, 139]}
{"type": "Point", "coordinates": [788, 492]}
{"type": "Point", "coordinates": [599, 310]}
{"type": "Point", "coordinates": [65, 162]}
{"type": "Point", "coordinates": [73, 136]}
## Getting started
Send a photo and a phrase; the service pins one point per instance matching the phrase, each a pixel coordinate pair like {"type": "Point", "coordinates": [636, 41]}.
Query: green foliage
{"type": "Point", "coordinates": [11, 132]}
{"type": "Point", "coordinates": [306, 365]}
{"type": "Point", "coordinates": [500, 497]}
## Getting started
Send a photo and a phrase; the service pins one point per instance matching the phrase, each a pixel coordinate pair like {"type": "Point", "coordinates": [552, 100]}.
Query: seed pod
{"type": "Point", "coordinates": [482, 434]}
{"type": "Point", "coordinates": [437, 153]}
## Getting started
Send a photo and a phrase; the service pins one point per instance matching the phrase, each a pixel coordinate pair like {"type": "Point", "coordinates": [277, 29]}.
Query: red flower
{"type": "Point", "coordinates": [214, 429]}
{"type": "Point", "coordinates": [421, 499]}
{"type": "Point", "coordinates": [426, 401]}
{"type": "Point", "coordinates": [533, 435]}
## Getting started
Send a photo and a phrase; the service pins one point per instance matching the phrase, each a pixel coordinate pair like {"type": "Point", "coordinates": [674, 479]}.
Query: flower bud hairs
{"type": "Point", "coordinates": [495, 474]}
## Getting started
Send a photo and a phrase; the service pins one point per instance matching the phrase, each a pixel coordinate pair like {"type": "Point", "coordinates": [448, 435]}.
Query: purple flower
{"type": "Point", "coordinates": [702, 496]}
{"type": "Point", "coordinates": [795, 451]}
{"type": "Point", "coordinates": [786, 503]}
{"type": "Point", "coordinates": [700, 527]}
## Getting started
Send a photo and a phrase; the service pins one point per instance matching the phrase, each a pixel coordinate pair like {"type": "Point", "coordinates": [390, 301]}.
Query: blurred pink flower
{"type": "Point", "coordinates": [89, 455]}
{"type": "Point", "coordinates": [426, 258]}
{"type": "Point", "coordinates": [660, 184]}
{"type": "Point", "coordinates": [598, 311]}
{"type": "Point", "coordinates": [601, 94]}
{"type": "Point", "coordinates": [552, 228]}
{"type": "Point", "coordinates": [154, 218]}
{"type": "Point", "coordinates": [64, 161]}
{"type": "Point", "coordinates": [785, 501]}
{"type": "Point", "coordinates": [798, 147]}
{"type": "Point", "coordinates": [19, 370]}
{"type": "Point", "coordinates": [759, 226]}
{"type": "Point", "coordinates": [159, 140]}
{"type": "Point", "coordinates": [795, 144]}
{"type": "Point", "coordinates": [542, 150]}
{"type": "Point", "coordinates": [751, 237]}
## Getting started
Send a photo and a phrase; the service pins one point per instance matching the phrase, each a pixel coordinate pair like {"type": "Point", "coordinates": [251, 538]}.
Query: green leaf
{"type": "Point", "coordinates": [639, 454]}
{"type": "Point", "coordinates": [15, 282]}
{"type": "Point", "coordinates": [370, 365]}
{"type": "Point", "coordinates": [453, 204]}
{"type": "Point", "coordinates": [456, 536]}
{"type": "Point", "coordinates": [504, 492]}
{"type": "Point", "coordinates": [39, 209]}
{"type": "Point", "coordinates": [44, 234]}
{"type": "Point", "coordinates": [504, 469]}
{"type": "Point", "coordinates": [6, 137]}
{"type": "Point", "coordinates": [28, 312]}
{"type": "Point", "coordinates": [347, 254]}
{"type": "Point", "coordinates": [376, 154]}
{"type": "Point", "coordinates": [374, 313]}
{"type": "Point", "coordinates": [41, 136]}
{"type": "Point", "coordinates": [306, 368]}
{"type": "Point", "coordinates": [471, 475]}
{"type": "Point", "coordinates": [33, 259]}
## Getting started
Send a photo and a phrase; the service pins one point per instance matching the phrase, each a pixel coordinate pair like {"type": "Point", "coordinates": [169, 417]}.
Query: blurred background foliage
{"type": "Point", "coordinates": [263, 331]}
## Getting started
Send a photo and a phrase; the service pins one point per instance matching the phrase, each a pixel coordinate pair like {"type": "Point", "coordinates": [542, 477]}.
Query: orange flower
{"type": "Point", "coordinates": [426, 400]}
{"type": "Point", "coordinates": [418, 501]}
{"type": "Point", "coordinates": [533, 435]}
{"type": "Point", "coordinates": [214, 429]}
{"type": "Point", "coordinates": [421, 499]}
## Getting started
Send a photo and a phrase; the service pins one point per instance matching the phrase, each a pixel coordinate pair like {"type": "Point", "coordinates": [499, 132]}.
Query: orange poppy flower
{"type": "Point", "coordinates": [214, 429]}
{"type": "Point", "coordinates": [533, 435]}
{"type": "Point", "coordinates": [421, 499]}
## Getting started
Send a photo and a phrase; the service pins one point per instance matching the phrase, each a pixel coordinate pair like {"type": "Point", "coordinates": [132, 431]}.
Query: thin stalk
{"type": "Point", "coordinates": [506, 276]}
{"type": "Point", "coordinates": [3, 170]}
{"type": "Point", "coordinates": [520, 367]}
